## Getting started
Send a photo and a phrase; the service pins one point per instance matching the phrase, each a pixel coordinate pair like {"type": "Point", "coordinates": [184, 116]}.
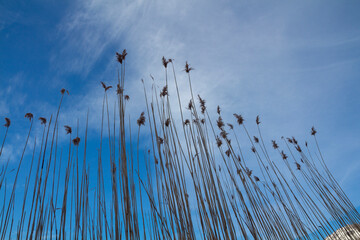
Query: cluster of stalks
{"type": "Point", "coordinates": [193, 182]}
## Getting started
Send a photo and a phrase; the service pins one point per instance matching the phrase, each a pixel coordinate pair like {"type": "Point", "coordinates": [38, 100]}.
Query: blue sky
{"type": "Point", "coordinates": [294, 63]}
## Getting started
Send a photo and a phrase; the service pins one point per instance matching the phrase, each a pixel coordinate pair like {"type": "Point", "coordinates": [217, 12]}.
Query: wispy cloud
{"type": "Point", "coordinates": [284, 62]}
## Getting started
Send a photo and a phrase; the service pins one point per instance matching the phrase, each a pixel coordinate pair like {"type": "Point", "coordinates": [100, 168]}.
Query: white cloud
{"type": "Point", "coordinates": [280, 61]}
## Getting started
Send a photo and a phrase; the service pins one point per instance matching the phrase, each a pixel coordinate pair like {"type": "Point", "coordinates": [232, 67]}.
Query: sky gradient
{"type": "Point", "coordinates": [295, 63]}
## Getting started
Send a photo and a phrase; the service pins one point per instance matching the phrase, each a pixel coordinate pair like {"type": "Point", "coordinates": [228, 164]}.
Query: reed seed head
{"type": "Point", "coordinates": [256, 140]}
{"type": "Point", "coordinates": [119, 90]}
{"type": "Point", "coordinates": [220, 123]}
{"type": "Point", "coordinates": [223, 134]}
{"type": "Point", "coordinates": [240, 120]}
{"type": "Point", "coordinates": [105, 87]}
{"type": "Point", "coordinates": [165, 62]}
{"type": "Point", "coordinates": [76, 141]}
{"type": "Point", "coordinates": [313, 131]}
{"type": "Point", "coordinates": [188, 68]}
{"type": "Point", "coordinates": [283, 155]}
{"type": "Point", "coordinates": [248, 172]}
{"type": "Point", "coordinates": [274, 144]}
{"type": "Point", "coordinates": [127, 97]}
{"type": "Point", "coordinates": [63, 90]}
{"type": "Point", "coordinates": [258, 120]}
{"type": "Point", "coordinates": [253, 149]}
{"type": "Point", "coordinates": [68, 129]}
{"type": "Point", "coordinates": [164, 92]}
{"type": "Point", "coordinates": [202, 104]}
{"type": "Point", "coordinates": [298, 166]}
{"type": "Point", "coordinates": [141, 119]}
{"type": "Point", "coordinates": [159, 140]}
{"type": "Point", "coordinates": [42, 120]}
{"type": "Point", "coordinates": [228, 152]}
{"type": "Point", "coordinates": [190, 105]}
{"type": "Point", "coordinates": [167, 122]}
{"type": "Point", "coordinates": [218, 141]}
{"type": "Point", "coordinates": [7, 122]}
{"type": "Point", "coordinates": [121, 56]}
{"type": "Point", "coordinates": [29, 116]}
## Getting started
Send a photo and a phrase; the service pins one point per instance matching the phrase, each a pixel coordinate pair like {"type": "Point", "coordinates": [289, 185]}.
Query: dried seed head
{"type": "Point", "coordinates": [289, 140]}
{"type": "Point", "coordinates": [76, 141]}
{"type": "Point", "coordinates": [42, 120]}
{"type": "Point", "coordinates": [105, 87]}
{"type": "Point", "coordinates": [164, 92]}
{"type": "Point", "coordinates": [141, 120]}
{"type": "Point", "coordinates": [223, 134]}
{"type": "Point", "coordinates": [257, 120]}
{"type": "Point", "coordinates": [218, 141]}
{"type": "Point", "coordinates": [190, 105]}
{"type": "Point", "coordinates": [202, 104]}
{"type": "Point", "coordinates": [187, 67]}
{"type": "Point", "coordinates": [165, 62]}
{"type": "Point", "coordinates": [29, 116]}
{"type": "Point", "coordinates": [228, 152]}
{"type": "Point", "coordinates": [67, 129]}
{"type": "Point", "coordinates": [119, 90]}
{"type": "Point", "coordinates": [220, 123]}
{"type": "Point", "coordinates": [127, 97]}
{"type": "Point", "coordinates": [313, 131]}
{"type": "Point", "coordinates": [167, 122]}
{"type": "Point", "coordinates": [202, 121]}
{"type": "Point", "coordinates": [283, 155]}
{"type": "Point", "coordinates": [124, 53]}
{"type": "Point", "coordinates": [298, 166]}
{"type": "Point", "coordinates": [298, 148]}
{"type": "Point", "coordinates": [248, 172]}
{"type": "Point", "coordinates": [256, 178]}
{"type": "Point", "coordinates": [294, 140]}
{"type": "Point", "coordinates": [7, 122]}
{"type": "Point", "coordinates": [63, 90]}
{"type": "Point", "coordinates": [187, 122]}
{"type": "Point", "coordinates": [306, 144]}
{"type": "Point", "coordinates": [121, 56]}
{"type": "Point", "coordinates": [218, 110]}
{"type": "Point", "coordinates": [230, 126]}
{"type": "Point", "coordinates": [256, 139]}
{"type": "Point", "coordinates": [239, 119]}
{"type": "Point", "coordinates": [159, 140]}
{"type": "Point", "coordinates": [274, 144]}
{"type": "Point", "coordinates": [253, 149]}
